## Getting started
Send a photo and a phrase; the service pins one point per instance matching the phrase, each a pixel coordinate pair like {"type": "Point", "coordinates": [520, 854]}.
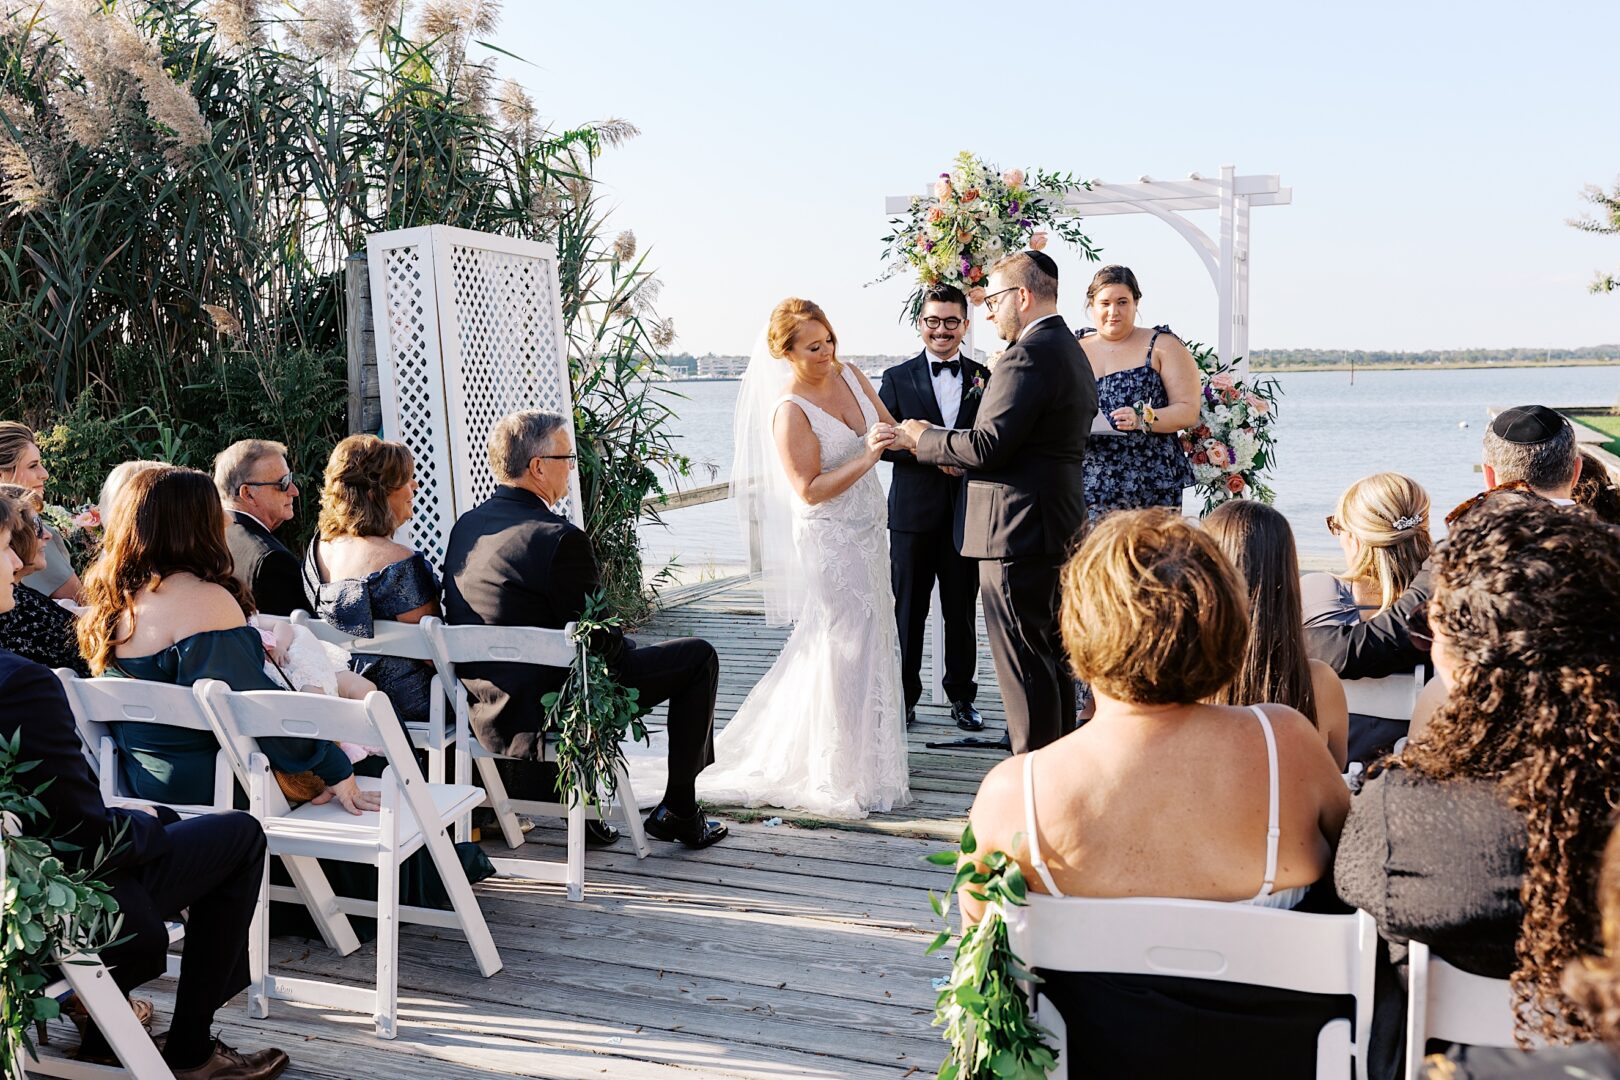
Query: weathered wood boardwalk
{"type": "Point", "coordinates": [784, 951]}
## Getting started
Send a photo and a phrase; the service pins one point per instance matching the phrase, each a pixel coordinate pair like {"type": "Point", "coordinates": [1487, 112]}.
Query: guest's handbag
{"type": "Point", "coordinates": [297, 787]}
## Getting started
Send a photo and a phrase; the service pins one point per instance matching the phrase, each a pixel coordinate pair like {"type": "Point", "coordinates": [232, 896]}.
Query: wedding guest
{"type": "Point", "coordinates": [1275, 669]}
{"type": "Point", "coordinates": [157, 866]}
{"type": "Point", "coordinates": [1533, 446]}
{"type": "Point", "coordinates": [355, 573]}
{"type": "Point", "coordinates": [257, 487]}
{"type": "Point", "coordinates": [1164, 795]}
{"type": "Point", "coordinates": [1483, 838]}
{"type": "Point", "coordinates": [36, 628]}
{"type": "Point", "coordinates": [1596, 489]}
{"type": "Point", "coordinates": [511, 561]}
{"type": "Point", "coordinates": [163, 605]}
{"type": "Point", "coordinates": [1359, 622]}
{"type": "Point", "coordinates": [117, 477]}
{"type": "Point", "coordinates": [1592, 984]}
{"type": "Point", "coordinates": [944, 386]}
{"type": "Point", "coordinates": [21, 464]}
{"type": "Point", "coordinates": [1148, 389]}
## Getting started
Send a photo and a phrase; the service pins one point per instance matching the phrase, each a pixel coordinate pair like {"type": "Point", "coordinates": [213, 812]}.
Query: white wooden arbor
{"type": "Point", "coordinates": [1226, 259]}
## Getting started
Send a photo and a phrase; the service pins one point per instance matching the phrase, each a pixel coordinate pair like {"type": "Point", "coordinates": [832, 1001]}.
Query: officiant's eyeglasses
{"type": "Point", "coordinates": [991, 302]}
{"type": "Point", "coordinates": [934, 322]}
{"type": "Point", "coordinates": [283, 485]}
{"type": "Point", "coordinates": [570, 458]}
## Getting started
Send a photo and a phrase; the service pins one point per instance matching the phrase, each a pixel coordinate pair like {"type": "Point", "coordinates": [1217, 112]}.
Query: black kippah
{"type": "Point", "coordinates": [1044, 262]}
{"type": "Point", "coordinates": [1527, 424]}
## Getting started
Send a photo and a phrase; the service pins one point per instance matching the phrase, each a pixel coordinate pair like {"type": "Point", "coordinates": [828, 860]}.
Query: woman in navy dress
{"type": "Point", "coordinates": [1134, 459]}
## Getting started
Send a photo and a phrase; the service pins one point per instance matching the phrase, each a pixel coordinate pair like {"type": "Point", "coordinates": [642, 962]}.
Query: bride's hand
{"type": "Point", "coordinates": [879, 438]}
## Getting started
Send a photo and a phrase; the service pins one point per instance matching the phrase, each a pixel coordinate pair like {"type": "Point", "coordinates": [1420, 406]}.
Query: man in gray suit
{"type": "Point", "coordinates": [1025, 505]}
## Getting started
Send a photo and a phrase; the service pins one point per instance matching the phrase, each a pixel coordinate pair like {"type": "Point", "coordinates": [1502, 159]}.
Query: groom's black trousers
{"type": "Point", "coordinates": [916, 561]}
{"type": "Point", "coordinates": [1021, 619]}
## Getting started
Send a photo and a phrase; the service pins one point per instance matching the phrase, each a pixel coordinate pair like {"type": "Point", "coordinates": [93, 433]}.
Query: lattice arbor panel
{"type": "Point", "coordinates": [469, 328]}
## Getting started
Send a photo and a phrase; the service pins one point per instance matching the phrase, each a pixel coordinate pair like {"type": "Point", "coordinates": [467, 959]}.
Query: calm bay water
{"type": "Point", "coordinates": [1331, 432]}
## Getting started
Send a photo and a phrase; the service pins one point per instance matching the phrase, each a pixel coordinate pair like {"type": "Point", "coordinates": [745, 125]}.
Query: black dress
{"type": "Point", "coordinates": [37, 628]}
{"type": "Point", "coordinates": [1134, 469]}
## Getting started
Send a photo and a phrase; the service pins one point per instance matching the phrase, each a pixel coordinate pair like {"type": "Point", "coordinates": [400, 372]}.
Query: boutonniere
{"type": "Point", "coordinates": [976, 387]}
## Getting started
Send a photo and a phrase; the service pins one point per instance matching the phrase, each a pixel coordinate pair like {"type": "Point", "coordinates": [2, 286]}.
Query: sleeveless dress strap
{"type": "Point", "coordinates": [1273, 812]}
{"type": "Point", "coordinates": [1031, 836]}
{"type": "Point", "coordinates": [1154, 340]}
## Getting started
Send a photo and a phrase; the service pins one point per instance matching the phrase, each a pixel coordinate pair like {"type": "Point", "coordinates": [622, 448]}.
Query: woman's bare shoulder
{"type": "Point", "coordinates": [182, 605]}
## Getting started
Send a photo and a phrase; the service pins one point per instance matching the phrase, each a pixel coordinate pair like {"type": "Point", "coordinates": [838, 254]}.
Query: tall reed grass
{"type": "Point", "coordinates": [181, 180]}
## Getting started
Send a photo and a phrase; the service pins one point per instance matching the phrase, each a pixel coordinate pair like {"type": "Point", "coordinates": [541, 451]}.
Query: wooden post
{"type": "Point", "coordinates": [365, 389]}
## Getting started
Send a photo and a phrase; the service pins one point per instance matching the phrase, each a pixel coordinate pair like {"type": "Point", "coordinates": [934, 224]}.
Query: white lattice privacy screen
{"type": "Point", "coordinates": [469, 328]}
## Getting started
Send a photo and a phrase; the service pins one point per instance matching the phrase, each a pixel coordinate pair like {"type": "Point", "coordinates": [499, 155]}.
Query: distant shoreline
{"type": "Point", "coordinates": [1289, 369]}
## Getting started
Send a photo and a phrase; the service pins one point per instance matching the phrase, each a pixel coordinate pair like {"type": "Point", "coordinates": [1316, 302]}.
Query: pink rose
{"type": "Point", "coordinates": [1235, 484]}
{"type": "Point", "coordinates": [976, 296]}
{"type": "Point", "coordinates": [1230, 394]}
{"type": "Point", "coordinates": [1037, 241]}
{"type": "Point", "coordinates": [1259, 404]}
{"type": "Point", "coordinates": [1014, 178]}
{"type": "Point", "coordinates": [1200, 458]}
{"type": "Point", "coordinates": [1220, 456]}
{"type": "Point", "coordinates": [89, 518]}
{"type": "Point", "coordinates": [936, 214]}
{"type": "Point", "coordinates": [1222, 381]}
{"type": "Point", "coordinates": [942, 189]}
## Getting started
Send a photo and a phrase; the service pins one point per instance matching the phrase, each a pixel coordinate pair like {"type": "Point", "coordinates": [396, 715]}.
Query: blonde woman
{"type": "Point", "coordinates": [22, 464]}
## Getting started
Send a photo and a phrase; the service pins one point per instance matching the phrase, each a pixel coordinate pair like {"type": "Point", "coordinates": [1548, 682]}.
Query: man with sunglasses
{"type": "Point", "coordinates": [940, 385]}
{"type": "Point", "coordinates": [257, 487]}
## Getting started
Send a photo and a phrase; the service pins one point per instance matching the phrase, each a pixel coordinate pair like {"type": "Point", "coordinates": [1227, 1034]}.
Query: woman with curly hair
{"type": "Point", "coordinates": [1483, 838]}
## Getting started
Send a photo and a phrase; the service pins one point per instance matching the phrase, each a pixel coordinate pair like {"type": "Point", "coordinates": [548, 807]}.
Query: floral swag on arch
{"type": "Point", "coordinates": [978, 213]}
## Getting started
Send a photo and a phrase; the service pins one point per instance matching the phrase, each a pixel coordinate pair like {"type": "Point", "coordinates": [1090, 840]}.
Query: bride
{"type": "Point", "coordinates": [823, 731]}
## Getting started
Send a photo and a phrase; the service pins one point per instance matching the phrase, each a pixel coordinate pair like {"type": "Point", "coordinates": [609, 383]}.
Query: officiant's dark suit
{"type": "Point", "coordinates": [1024, 512]}
{"type": "Point", "coordinates": [925, 505]}
{"type": "Point", "coordinates": [511, 561]}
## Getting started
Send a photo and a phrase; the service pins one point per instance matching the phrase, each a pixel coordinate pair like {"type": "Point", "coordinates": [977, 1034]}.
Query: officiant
{"type": "Point", "coordinates": [942, 386]}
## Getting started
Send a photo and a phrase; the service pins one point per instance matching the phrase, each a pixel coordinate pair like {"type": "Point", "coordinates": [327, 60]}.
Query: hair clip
{"type": "Point", "coordinates": [1409, 522]}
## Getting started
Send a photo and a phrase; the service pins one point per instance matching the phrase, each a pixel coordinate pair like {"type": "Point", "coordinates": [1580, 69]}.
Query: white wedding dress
{"type": "Point", "coordinates": [824, 731]}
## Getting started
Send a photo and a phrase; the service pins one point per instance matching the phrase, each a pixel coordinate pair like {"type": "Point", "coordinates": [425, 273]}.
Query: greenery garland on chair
{"type": "Point", "coordinates": [592, 712]}
{"type": "Point", "coordinates": [984, 1010]}
{"type": "Point", "coordinates": [45, 911]}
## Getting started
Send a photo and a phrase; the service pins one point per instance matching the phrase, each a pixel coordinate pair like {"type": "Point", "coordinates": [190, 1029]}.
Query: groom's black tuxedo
{"type": "Point", "coordinates": [1024, 510]}
{"type": "Point", "coordinates": [924, 533]}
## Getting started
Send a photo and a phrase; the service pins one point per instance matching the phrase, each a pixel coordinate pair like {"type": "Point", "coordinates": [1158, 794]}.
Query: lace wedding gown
{"type": "Point", "coordinates": [824, 730]}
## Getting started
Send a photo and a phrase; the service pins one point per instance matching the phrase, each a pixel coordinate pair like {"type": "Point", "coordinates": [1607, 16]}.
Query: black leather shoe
{"type": "Point", "coordinates": [695, 831]}
{"type": "Point", "coordinates": [966, 716]}
{"type": "Point", "coordinates": [911, 718]}
{"type": "Point", "coordinates": [599, 833]}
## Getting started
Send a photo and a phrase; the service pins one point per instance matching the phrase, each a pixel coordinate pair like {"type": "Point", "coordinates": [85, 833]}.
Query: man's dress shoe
{"type": "Point", "coordinates": [695, 831]}
{"type": "Point", "coordinates": [966, 716]}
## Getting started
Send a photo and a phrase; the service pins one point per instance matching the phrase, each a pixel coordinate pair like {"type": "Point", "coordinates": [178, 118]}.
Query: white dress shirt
{"type": "Point", "coordinates": [947, 388]}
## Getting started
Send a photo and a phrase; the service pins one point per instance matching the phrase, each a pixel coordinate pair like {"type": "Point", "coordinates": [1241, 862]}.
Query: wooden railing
{"type": "Point", "coordinates": [677, 500]}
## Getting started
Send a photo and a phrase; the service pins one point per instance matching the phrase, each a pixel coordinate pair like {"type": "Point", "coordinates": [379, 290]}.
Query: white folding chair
{"type": "Point", "coordinates": [1390, 698]}
{"type": "Point", "coordinates": [88, 978]}
{"type": "Point", "coordinates": [1235, 943]}
{"type": "Point", "coordinates": [454, 645]}
{"type": "Point", "coordinates": [404, 641]}
{"type": "Point", "coordinates": [414, 814]}
{"type": "Point", "coordinates": [99, 703]}
{"type": "Point", "coordinates": [1444, 1002]}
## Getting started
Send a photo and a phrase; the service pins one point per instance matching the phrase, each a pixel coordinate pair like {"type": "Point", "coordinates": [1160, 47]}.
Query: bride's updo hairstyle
{"type": "Point", "coordinates": [1153, 613]}
{"type": "Point", "coordinates": [360, 475]}
{"type": "Point", "coordinates": [786, 319]}
{"type": "Point", "coordinates": [1388, 514]}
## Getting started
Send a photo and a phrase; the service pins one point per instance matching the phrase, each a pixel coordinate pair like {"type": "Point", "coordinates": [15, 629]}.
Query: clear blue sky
{"type": "Point", "coordinates": [1434, 151]}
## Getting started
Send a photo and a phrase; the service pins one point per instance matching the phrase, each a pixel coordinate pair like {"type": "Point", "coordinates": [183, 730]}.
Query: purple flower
{"type": "Point", "coordinates": [1013, 207]}
{"type": "Point", "coordinates": [944, 176]}
{"type": "Point", "coordinates": [928, 245]}
{"type": "Point", "coordinates": [1025, 223]}
{"type": "Point", "coordinates": [966, 264]}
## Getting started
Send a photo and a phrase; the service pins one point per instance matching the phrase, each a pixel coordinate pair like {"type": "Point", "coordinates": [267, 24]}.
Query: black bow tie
{"type": "Point", "coordinates": [955, 367]}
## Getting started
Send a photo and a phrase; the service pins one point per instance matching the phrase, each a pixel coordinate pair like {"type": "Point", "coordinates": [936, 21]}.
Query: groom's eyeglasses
{"type": "Point", "coordinates": [934, 322]}
{"type": "Point", "coordinates": [992, 302]}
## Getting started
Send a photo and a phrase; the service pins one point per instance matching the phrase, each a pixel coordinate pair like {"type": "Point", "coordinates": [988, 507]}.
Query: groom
{"type": "Point", "coordinates": [1025, 508]}
{"type": "Point", "coordinates": [943, 386]}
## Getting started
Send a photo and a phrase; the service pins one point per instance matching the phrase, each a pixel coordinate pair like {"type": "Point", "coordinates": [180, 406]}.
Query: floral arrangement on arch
{"type": "Point", "coordinates": [976, 215]}
{"type": "Point", "coordinates": [81, 530]}
{"type": "Point", "coordinates": [1233, 445]}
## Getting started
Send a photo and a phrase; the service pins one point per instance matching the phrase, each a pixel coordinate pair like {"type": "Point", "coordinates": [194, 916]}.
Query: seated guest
{"type": "Point", "coordinates": [21, 464]}
{"type": "Point", "coordinates": [36, 628]}
{"type": "Point", "coordinates": [1275, 669]}
{"type": "Point", "coordinates": [158, 866]}
{"type": "Point", "coordinates": [1163, 795]}
{"type": "Point", "coordinates": [164, 606]}
{"type": "Point", "coordinates": [355, 573]}
{"type": "Point", "coordinates": [1592, 983]}
{"type": "Point", "coordinates": [511, 561]}
{"type": "Point", "coordinates": [1596, 490]}
{"type": "Point", "coordinates": [257, 488]}
{"type": "Point", "coordinates": [1482, 839]}
{"type": "Point", "coordinates": [1359, 622]}
{"type": "Point", "coordinates": [1532, 446]}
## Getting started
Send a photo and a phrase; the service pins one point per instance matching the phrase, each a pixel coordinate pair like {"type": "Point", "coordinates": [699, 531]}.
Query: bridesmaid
{"type": "Point", "coordinates": [1136, 461]}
